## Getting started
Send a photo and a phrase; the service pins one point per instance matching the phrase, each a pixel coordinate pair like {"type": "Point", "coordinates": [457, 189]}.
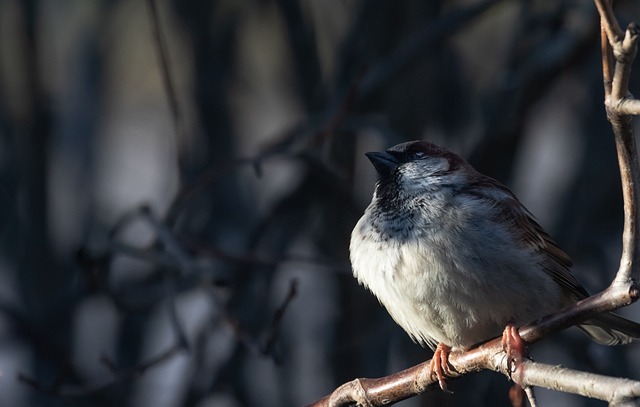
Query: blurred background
{"type": "Point", "coordinates": [179, 180]}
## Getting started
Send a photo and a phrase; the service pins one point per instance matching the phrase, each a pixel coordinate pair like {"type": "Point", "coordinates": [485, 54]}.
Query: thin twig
{"type": "Point", "coordinates": [162, 54]}
{"type": "Point", "coordinates": [531, 396]}
{"type": "Point", "coordinates": [610, 25]}
{"type": "Point", "coordinates": [276, 321]}
{"type": "Point", "coordinates": [607, 60]}
{"type": "Point", "coordinates": [170, 243]}
{"type": "Point", "coordinates": [170, 289]}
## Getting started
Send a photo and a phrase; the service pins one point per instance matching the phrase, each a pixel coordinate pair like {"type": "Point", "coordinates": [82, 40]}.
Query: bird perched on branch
{"type": "Point", "coordinates": [455, 257]}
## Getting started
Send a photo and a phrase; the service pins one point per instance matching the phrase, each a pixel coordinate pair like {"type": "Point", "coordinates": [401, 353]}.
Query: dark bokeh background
{"type": "Point", "coordinates": [204, 262]}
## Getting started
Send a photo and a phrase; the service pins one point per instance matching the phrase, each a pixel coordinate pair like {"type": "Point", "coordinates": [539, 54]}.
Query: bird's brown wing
{"type": "Point", "coordinates": [555, 262]}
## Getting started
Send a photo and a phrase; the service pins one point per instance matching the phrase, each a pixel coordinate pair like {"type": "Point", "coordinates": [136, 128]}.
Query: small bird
{"type": "Point", "coordinates": [455, 257]}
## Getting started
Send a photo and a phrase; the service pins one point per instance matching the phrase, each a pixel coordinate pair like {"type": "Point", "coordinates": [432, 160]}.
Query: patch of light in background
{"type": "Point", "coordinates": [550, 153]}
{"type": "Point", "coordinates": [165, 384]}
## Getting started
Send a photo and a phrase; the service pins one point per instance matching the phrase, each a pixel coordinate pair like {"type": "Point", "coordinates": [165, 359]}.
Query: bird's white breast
{"type": "Point", "coordinates": [445, 274]}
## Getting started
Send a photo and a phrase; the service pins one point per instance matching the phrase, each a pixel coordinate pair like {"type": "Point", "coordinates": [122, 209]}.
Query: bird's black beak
{"type": "Point", "coordinates": [383, 162]}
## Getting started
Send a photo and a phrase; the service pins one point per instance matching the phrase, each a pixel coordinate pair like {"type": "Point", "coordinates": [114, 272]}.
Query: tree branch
{"type": "Point", "coordinates": [490, 356]}
{"type": "Point", "coordinates": [620, 105]}
{"type": "Point", "coordinates": [608, 20]}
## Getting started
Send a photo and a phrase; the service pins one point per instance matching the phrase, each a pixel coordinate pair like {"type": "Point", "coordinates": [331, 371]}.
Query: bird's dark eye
{"type": "Point", "coordinates": [415, 155]}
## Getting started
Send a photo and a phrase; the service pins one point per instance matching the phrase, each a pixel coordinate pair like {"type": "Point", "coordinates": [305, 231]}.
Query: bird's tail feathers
{"type": "Point", "coordinates": [611, 329]}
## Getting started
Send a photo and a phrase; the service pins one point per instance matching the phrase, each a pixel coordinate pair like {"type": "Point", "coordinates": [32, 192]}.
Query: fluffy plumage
{"type": "Point", "coordinates": [454, 256]}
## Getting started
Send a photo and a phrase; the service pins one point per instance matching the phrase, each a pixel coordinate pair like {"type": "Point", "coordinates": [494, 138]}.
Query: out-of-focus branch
{"type": "Point", "coordinates": [431, 34]}
{"type": "Point", "coordinates": [276, 321]}
{"type": "Point", "coordinates": [163, 59]}
{"type": "Point", "coordinates": [72, 391]}
{"type": "Point", "coordinates": [174, 253]}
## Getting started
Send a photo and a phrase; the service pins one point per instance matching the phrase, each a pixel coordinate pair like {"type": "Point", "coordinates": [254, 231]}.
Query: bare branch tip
{"type": "Point", "coordinates": [630, 40]}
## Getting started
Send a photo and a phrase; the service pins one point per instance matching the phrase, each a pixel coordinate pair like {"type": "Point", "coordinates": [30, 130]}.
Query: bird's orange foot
{"type": "Point", "coordinates": [514, 346]}
{"type": "Point", "coordinates": [439, 366]}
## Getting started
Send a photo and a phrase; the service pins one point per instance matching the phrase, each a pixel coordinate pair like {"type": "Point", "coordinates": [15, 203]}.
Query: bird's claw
{"type": "Point", "coordinates": [514, 347]}
{"type": "Point", "coordinates": [439, 366]}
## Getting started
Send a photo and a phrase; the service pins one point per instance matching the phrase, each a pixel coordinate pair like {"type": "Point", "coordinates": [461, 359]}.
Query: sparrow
{"type": "Point", "coordinates": [454, 257]}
